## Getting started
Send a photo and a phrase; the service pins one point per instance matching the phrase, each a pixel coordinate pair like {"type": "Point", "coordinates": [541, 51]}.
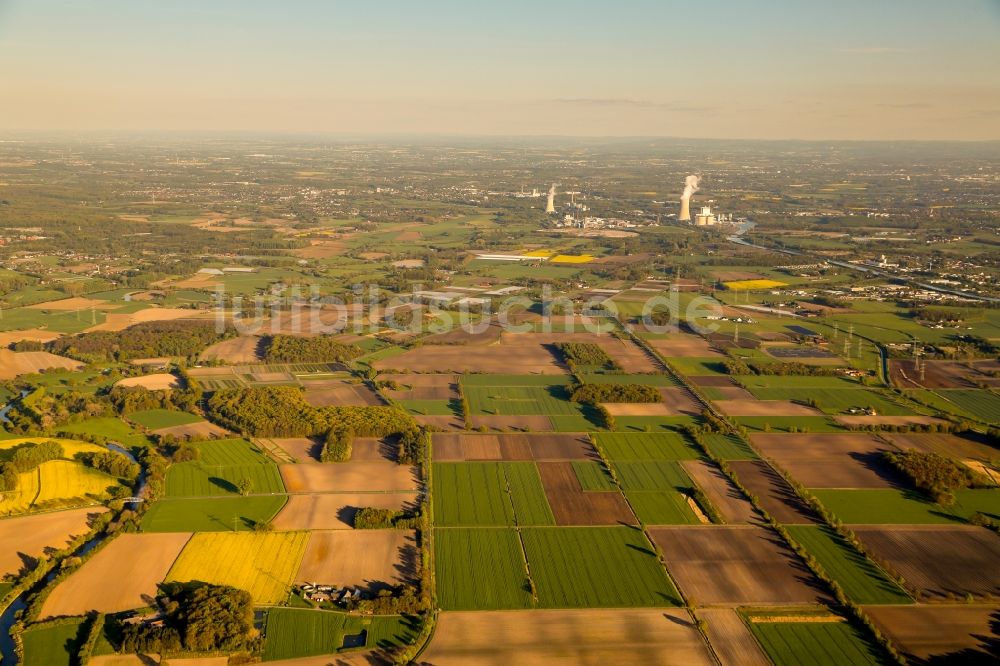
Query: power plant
{"type": "Point", "coordinates": [690, 187]}
{"type": "Point", "coordinates": [550, 205]}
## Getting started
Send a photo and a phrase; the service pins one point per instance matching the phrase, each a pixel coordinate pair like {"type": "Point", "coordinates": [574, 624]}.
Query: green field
{"type": "Point", "coordinates": [221, 514]}
{"type": "Point", "coordinates": [221, 467]}
{"type": "Point", "coordinates": [593, 476]}
{"type": "Point", "coordinates": [599, 567]}
{"type": "Point", "coordinates": [54, 644]}
{"type": "Point", "coordinates": [728, 447]}
{"type": "Point", "coordinates": [114, 429]}
{"type": "Point", "coordinates": [480, 569]}
{"type": "Point", "coordinates": [979, 500]}
{"type": "Point", "coordinates": [833, 401]}
{"type": "Point", "coordinates": [520, 400]}
{"type": "Point", "coordinates": [432, 407]}
{"type": "Point", "coordinates": [882, 507]}
{"type": "Point", "coordinates": [490, 381]}
{"type": "Point", "coordinates": [697, 367]}
{"type": "Point", "coordinates": [662, 508]}
{"type": "Point", "coordinates": [652, 475]}
{"type": "Point", "coordinates": [488, 493]}
{"type": "Point", "coordinates": [295, 632]}
{"type": "Point", "coordinates": [155, 419]}
{"type": "Point", "coordinates": [646, 380]}
{"type": "Point", "coordinates": [818, 643]}
{"type": "Point", "coordinates": [984, 405]}
{"type": "Point", "coordinates": [863, 581]}
{"type": "Point", "coordinates": [621, 447]}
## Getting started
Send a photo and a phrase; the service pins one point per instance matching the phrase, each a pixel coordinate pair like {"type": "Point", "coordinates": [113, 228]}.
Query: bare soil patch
{"type": "Point", "coordinates": [754, 407]}
{"type": "Point", "coordinates": [942, 562]}
{"type": "Point", "coordinates": [74, 304]}
{"type": "Point", "coordinates": [942, 374]}
{"type": "Point", "coordinates": [776, 496]}
{"type": "Point", "coordinates": [638, 409]}
{"type": "Point", "coordinates": [13, 363]}
{"type": "Point", "coordinates": [26, 538]}
{"type": "Point", "coordinates": [679, 401]}
{"type": "Point", "coordinates": [8, 338]}
{"type": "Point", "coordinates": [731, 638]}
{"type": "Point", "coordinates": [734, 393]}
{"type": "Point", "coordinates": [349, 476]}
{"type": "Point", "coordinates": [950, 634]}
{"type": "Point", "coordinates": [163, 381]}
{"type": "Point", "coordinates": [335, 511]}
{"type": "Point", "coordinates": [726, 497]}
{"type": "Point", "coordinates": [735, 565]}
{"type": "Point", "coordinates": [326, 392]}
{"type": "Point", "coordinates": [321, 249]}
{"type": "Point", "coordinates": [121, 576]}
{"type": "Point", "coordinates": [516, 356]}
{"type": "Point", "coordinates": [532, 446]}
{"type": "Point", "coordinates": [834, 460]}
{"type": "Point", "coordinates": [567, 637]}
{"type": "Point", "coordinates": [301, 449]}
{"type": "Point", "coordinates": [119, 322]}
{"type": "Point", "coordinates": [369, 559]}
{"type": "Point", "coordinates": [684, 345]}
{"type": "Point", "coordinates": [572, 506]}
{"type": "Point", "coordinates": [243, 349]}
{"type": "Point", "coordinates": [439, 421]}
{"type": "Point", "coordinates": [881, 419]}
{"type": "Point", "coordinates": [719, 381]}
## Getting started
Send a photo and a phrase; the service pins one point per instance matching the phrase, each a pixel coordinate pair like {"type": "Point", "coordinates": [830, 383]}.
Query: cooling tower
{"type": "Point", "coordinates": [550, 205]}
{"type": "Point", "coordinates": [685, 215]}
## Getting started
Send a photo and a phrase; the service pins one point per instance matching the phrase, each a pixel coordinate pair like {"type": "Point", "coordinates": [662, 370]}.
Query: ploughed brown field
{"type": "Point", "coordinates": [300, 449]}
{"type": "Point", "coordinates": [511, 422]}
{"type": "Point", "coordinates": [197, 430]}
{"type": "Point", "coordinates": [943, 374]}
{"type": "Point", "coordinates": [679, 401]}
{"type": "Point", "coordinates": [14, 363]}
{"type": "Point", "coordinates": [440, 421]}
{"type": "Point", "coordinates": [516, 355]}
{"type": "Point", "coordinates": [26, 538]}
{"type": "Point", "coordinates": [157, 382]}
{"type": "Point", "coordinates": [370, 559]}
{"type": "Point", "coordinates": [638, 409]}
{"type": "Point", "coordinates": [944, 444]}
{"type": "Point", "coordinates": [572, 506]}
{"type": "Point", "coordinates": [727, 498]}
{"type": "Point", "coordinates": [776, 496]}
{"type": "Point", "coordinates": [952, 634]}
{"type": "Point", "coordinates": [733, 392]}
{"type": "Point", "coordinates": [716, 381]}
{"type": "Point", "coordinates": [121, 576]}
{"type": "Point", "coordinates": [326, 392]}
{"type": "Point", "coordinates": [731, 638]}
{"type": "Point", "coordinates": [830, 460]}
{"type": "Point", "coordinates": [489, 335]}
{"type": "Point", "coordinates": [320, 249]}
{"type": "Point", "coordinates": [941, 562]}
{"type": "Point", "coordinates": [684, 345]}
{"type": "Point", "coordinates": [753, 407]}
{"type": "Point", "coordinates": [566, 637]}
{"type": "Point", "coordinates": [730, 565]}
{"type": "Point", "coordinates": [423, 387]}
{"type": "Point", "coordinates": [351, 476]}
{"type": "Point", "coordinates": [335, 511]}
{"type": "Point", "coordinates": [458, 447]}
{"type": "Point", "coordinates": [882, 419]}
{"type": "Point", "coordinates": [242, 349]}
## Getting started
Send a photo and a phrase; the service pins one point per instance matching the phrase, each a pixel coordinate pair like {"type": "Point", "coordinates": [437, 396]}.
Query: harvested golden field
{"type": "Point", "coordinates": [263, 563]}
{"type": "Point", "coordinates": [327, 392]}
{"type": "Point", "coordinates": [119, 322]}
{"type": "Point", "coordinates": [300, 449]}
{"type": "Point", "coordinates": [74, 304]}
{"type": "Point", "coordinates": [754, 407]}
{"type": "Point", "coordinates": [567, 638]}
{"type": "Point", "coordinates": [8, 338]}
{"type": "Point", "coordinates": [335, 511]}
{"type": "Point", "coordinates": [357, 476]}
{"type": "Point", "coordinates": [948, 634]}
{"type": "Point", "coordinates": [638, 409]}
{"type": "Point", "coordinates": [735, 566]}
{"type": "Point", "coordinates": [371, 559]}
{"type": "Point", "coordinates": [121, 576]}
{"type": "Point", "coordinates": [731, 638]}
{"type": "Point", "coordinates": [321, 249]}
{"type": "Point", "coordinates": [198, 430]}
{"type": "Point", "coordinates": [13, 364]}
{"type": "Point", "coordinates": [25, 538]}
{"type": "Point", "coordinates": [242, 349]}
{"type": "Point", "coordinates": [513, 446]}
{"type": "Point", "coordinates": [882, 419]}
{"type": "Point", "coordinates": [159, 382]}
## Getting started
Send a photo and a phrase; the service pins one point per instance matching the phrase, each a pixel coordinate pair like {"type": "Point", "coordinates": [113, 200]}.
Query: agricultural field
{"type": "Point", "coordinates": [366, 559]}
{"type": "Point", "coordinates": [883, 507]}
{"type": "Point", "coordinates": [295, 633]}
{"type": "Point", "coordinates": [484, 493]}
{"type": "Point", "coordinates": [34, 534]}
{"type": "Point", "coordinates": [264, 564]}
{"type": "Point", "coordinates": [155, 419]}
{"type": "Point", "coordinates": [218, 514]}
{"type": "Point", "coordinates": [53, 644]}
{"type": "Point", "coordinates": [223, 466]}
{"type": "Point", "coordinates": [964, 633]}
{"type": "Point", "coordinates": [828, 641]}
{"type": "Point", "coordinates": [481, 569]}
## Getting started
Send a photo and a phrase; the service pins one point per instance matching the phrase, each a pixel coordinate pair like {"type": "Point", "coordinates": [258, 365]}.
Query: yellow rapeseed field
{"type": "Point", "coordinates": [21, 499]}
{"type": "Point", "coordinates": [744, 285]}
{"type": "Point", "coordinates": [70, 446]}
{"type": "Point", "coordinates": [572, 258]}
{"type": "Point", "coordinates": [539, 253]}
{"type": "Point", "coordinates": [55, 480]}
{"type": "Point", "coordinates": [264, 564]}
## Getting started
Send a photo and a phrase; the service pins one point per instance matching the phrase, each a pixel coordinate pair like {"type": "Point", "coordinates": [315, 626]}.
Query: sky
{"type": "Point", "coordinates": [754, 69]}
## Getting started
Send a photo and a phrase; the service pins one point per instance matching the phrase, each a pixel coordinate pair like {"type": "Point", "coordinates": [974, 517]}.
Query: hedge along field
{"type": "Point", "coordinates": [155, 419]}
{"type": "Point", "coordinates": [596, 567]}
{"type": "Point", "coordinates": [297, 632]}
{"type": "Point", "coordinates": [863, 582]}
{"type": "Point", "coordinates": [223, 464]}
{"type": "Point", "coordinates": [480, 569]}
{"type": "Point", "coordinates": [222, 514]}
{"type": "Point", "coordinates": [646, 446]}
{"type": "Point", "coordinates": [489, 493]}
{"type": "Point", "coordinates": [263, 563]}
{"type": "Point", "coordinates": [820, 643]}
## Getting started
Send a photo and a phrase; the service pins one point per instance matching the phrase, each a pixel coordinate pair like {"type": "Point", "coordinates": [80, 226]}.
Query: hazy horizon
{"type": "Point", "coordinates": [915, 71]}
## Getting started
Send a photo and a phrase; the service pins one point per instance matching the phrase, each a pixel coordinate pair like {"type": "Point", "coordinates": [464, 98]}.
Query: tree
{"type": "Point", "coordinates": [245, 485]}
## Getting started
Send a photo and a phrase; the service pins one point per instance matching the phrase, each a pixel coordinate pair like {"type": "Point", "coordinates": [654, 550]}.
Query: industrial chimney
{"type": "Point", "coordinates": [550, 205]}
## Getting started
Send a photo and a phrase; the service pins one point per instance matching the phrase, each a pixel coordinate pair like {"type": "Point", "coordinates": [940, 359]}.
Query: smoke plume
{"type": "Point", "coordinates": [690, 186]}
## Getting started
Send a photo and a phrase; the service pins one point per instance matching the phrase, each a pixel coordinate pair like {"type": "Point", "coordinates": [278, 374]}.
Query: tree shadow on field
{"type": "Point", "coordinates": [225, 484]}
